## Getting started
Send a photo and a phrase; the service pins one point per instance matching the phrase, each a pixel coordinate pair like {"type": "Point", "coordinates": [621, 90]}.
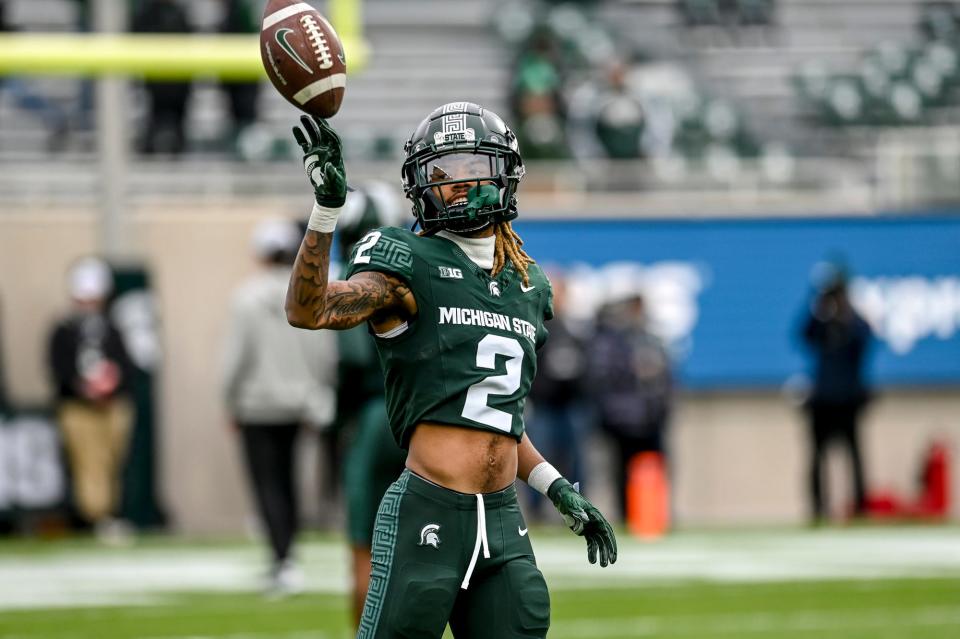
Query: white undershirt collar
{"type": "Point", "coordinates": [478, 249]}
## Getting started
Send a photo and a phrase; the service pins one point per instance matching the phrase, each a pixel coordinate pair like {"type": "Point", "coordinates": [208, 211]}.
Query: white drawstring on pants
{"type": "Point", "coordinates": [481, 541]}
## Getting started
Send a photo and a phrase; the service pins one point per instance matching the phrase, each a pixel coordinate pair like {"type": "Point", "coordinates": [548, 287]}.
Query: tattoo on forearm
{"type": "Point", "coordinates": [308, 281]}
{"type": "Point", "coordinates": [350, 303]}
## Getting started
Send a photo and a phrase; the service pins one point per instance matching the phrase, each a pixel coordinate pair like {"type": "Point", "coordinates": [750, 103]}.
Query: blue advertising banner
{"type": "Point", "coordinates": [729, 295]}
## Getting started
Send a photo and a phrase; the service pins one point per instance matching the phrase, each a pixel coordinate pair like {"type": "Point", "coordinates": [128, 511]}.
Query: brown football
{"type": "Point", "coordinates": [303, 57]}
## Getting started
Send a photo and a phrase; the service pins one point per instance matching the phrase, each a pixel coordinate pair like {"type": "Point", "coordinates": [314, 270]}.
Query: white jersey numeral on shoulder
{"type": "Point", "coordinates": [364, 245]}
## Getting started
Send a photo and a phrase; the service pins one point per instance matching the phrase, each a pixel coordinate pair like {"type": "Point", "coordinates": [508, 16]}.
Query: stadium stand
{"type": "Point", "coordinates": [746, 102]}
{"type": "Point", "coordinates": [421, 51]}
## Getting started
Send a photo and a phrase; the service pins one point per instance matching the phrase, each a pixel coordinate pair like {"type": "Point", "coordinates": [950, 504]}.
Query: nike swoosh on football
{"type": "Point", "coordinates": [522, 531]}
{"type": "Point", "coordinates": [526, 289]}
{"type": "Point", "coordinates": [281, 37]}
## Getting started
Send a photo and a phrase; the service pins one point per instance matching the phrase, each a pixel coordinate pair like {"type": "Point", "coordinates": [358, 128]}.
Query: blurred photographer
{"type": "Point", "coordinates": [631, 377]}
{"type": "Point", "coordinates": [91, 370]}
{"type": "Point", "coordinates": [838, 339]}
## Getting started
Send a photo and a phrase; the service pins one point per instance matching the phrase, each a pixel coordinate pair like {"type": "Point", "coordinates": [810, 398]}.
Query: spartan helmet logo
{"type": "Point", "coordinates": [429, 536]}
{"type": "Point", "coordinates": [494, 289]}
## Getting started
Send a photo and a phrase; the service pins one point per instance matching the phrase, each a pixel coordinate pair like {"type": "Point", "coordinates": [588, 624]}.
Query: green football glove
{"type": "Point", "coordinates": [322, 160]}
{"type": "Point", "coordinates": [585, 520]}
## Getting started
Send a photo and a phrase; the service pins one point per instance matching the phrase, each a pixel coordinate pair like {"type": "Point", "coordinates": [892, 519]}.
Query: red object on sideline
{"type": "Point", "coordinates": [934, 499]}
{"type": "Point", "coordinates": [648, 496]}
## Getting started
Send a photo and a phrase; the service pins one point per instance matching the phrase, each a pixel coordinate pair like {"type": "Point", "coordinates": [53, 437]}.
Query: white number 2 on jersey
{"type": "Point", "coordinates": [475, 407]}
{"type": "Point", "coordinates": [365, 244]}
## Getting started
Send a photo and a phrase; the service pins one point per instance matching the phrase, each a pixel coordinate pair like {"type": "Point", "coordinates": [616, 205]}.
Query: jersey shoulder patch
{"type": "Point", "coordinates": [388, 249]}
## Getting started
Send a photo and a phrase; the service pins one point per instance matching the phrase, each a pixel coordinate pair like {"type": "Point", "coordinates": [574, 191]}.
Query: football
{"type": "Point", "coordinates": [303, 57]}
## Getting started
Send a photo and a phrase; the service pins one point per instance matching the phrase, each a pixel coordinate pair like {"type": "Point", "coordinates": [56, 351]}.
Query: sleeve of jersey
{"type": "Point", "coordinates": [385, 250]}
{"type": "Point", "coordinates": [548, 303]}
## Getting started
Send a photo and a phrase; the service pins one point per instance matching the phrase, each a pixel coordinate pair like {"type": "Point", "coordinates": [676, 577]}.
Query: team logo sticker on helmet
{"type": "Point", "coordinates": [429, 536]}
{"type": "Point", "coordinates": [281, 37]}
{"type": "Point", "coordinates": [454, 128]}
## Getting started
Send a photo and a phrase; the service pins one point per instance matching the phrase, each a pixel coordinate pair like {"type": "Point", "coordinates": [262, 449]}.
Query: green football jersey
{"type": "Point", "coordinates": [469, 356]}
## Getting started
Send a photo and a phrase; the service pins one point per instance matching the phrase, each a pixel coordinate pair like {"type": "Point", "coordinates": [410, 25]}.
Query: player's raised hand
{"type": "Point", "coordinates": [322, 160]}
{"type": "Point", "coordinates": [584, 519]}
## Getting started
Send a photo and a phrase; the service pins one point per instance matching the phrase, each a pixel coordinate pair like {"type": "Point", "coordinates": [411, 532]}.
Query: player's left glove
{"type": "Point", "coordinates": [322, 160]}
{"type": "Point", "coordinates": [584, 519]}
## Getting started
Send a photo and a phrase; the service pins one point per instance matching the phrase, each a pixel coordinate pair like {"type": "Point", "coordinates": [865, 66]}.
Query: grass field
{"type": "Point", "coordinates": [876, 583]}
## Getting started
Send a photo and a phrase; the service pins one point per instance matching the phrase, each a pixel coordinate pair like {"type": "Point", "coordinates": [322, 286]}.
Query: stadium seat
{"type": "Point", "coordinates": [700, 13]}
{"type": "Point", "coordinates": [941, 21]}
{"type": "Point", "coordinates": [755, 12]}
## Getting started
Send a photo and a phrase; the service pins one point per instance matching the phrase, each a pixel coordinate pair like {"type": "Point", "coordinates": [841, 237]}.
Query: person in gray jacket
{"type": "Point", "coordinates": [276, 379]}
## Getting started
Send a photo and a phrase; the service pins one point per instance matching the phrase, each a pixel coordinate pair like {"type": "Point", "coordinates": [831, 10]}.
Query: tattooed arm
{"type": "Point", "coordinates": [313, 302]}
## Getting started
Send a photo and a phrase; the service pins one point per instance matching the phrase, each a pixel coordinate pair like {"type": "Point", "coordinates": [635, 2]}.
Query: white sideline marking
{"type": "Point", "coordinates": [283, 14]}
{"type": "Point", "coordinates": [95, 576]}
{"type": "Point", "coordinates": [312, 90]}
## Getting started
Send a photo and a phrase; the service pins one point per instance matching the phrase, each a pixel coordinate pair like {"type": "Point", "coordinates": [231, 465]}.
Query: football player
{"type": "Point", "coordinates": [457, 312]}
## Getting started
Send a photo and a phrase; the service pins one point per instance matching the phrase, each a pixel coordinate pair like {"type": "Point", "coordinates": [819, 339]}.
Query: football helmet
{"type": "Point", "coordinates": [455, 160]}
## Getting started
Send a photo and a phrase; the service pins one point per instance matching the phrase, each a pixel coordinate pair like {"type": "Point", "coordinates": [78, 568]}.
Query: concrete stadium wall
{"type": "Point", "coordinates": [738, 458]}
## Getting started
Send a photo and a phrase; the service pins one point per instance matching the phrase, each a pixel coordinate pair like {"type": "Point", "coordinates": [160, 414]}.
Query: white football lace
{"type": "Point", "coordinates": [319, 41]}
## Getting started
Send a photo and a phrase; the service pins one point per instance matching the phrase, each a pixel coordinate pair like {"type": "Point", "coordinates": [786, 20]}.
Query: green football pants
{"type": "Point", "coordinates": [441, 556]}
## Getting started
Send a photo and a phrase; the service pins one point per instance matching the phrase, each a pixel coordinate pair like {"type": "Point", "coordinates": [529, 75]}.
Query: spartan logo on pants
{"type": "Point", "coordinates": [429, 536]}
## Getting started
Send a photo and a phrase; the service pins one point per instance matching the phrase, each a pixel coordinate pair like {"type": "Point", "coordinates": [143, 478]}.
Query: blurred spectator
{"type": "Point", "coordinates": [557, 402]}
{"type": "Point", "coordinates": [619, 116]}
{"type": "Point", "coordinates": [373, 459]}
{"type": "Point", "coordinates": [537, 99]}
{"type": "Point", "coordinates": [631, 383]}
{"type": "Point", "coordinates": [240, 16]}
{"type": "Point", "coordinates": [276, 379]}
{"type": "Point", "coordinates": [164, 131]}
{"type": "Point", "coordinates": [52, 115]}
{"type": "Point", "coordinates": [838, 339]}
{"type": "Point", "coordinates": [91, 372]}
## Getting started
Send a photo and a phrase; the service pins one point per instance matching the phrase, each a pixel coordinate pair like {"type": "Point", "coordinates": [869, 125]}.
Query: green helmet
{"type": "Point", "coordinates": [462, 153]}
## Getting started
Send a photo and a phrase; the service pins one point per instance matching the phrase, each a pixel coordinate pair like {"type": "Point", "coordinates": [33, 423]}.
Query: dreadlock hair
{"type": "Point", "coordinates": [507, 246]}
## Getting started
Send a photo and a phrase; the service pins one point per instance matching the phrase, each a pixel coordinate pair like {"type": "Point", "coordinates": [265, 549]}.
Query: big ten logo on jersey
{"type": "Point", "coordinates": [488, 319]}
{"type": "Point", "coordinates": [385, 250]}
{"type": "Point", "coordinates": [450, 273]}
